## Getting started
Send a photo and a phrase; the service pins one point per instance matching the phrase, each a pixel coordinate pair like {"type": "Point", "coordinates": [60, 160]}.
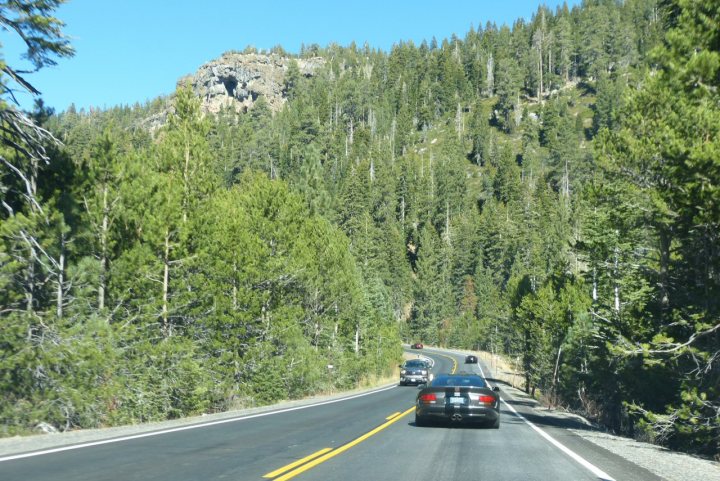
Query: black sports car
{"type": "Point", "coordinates": [470, 359]}
{"type": "Point", "coordinates": [458, 398]}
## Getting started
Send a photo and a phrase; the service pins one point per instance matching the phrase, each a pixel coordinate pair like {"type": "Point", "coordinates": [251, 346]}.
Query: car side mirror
{"type": "Point", "coordinates": [496, 388]}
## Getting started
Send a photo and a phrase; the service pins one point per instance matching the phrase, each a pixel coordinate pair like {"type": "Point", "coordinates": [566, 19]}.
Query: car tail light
{"type": "Point", "coordinates": [428, 398]}
{"type": "Point", "coordinates": [483, 398]}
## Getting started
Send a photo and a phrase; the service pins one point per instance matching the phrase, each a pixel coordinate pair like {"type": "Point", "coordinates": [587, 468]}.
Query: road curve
{"type": "Point", "coordinates": [372, 436]}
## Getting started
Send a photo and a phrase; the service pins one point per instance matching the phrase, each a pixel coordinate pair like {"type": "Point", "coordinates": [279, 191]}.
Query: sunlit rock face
{"type": "Point", "coordinates": [237, 80]}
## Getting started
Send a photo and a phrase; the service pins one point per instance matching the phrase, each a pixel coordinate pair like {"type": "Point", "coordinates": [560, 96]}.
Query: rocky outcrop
{"type": "Point", "coordinates": [238, 80]}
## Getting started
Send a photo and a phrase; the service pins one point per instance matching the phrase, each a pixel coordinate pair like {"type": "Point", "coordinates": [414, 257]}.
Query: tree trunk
{"type": "Point", "coordinates": [186, 183]}
{"type": "Point", "coordinates": [540, 86]}
{"type": "Point", "coordinates": [103, 250]}
{"type": "Point", "coordinates": [555, 375]}
{"type": "Point", "coordinates": [490, 79]}
{"type": "Point", "coordinates": [617, 286]}
{"type": "Point", "coordinates": [393, 129]}
{"type": "Point", "coordinates": [594, 286]}
{"type": "Point", "coordinates": [33, 179]}
{"type": "Point", "coordinates": [664, 281]}
{"type": "Point", "coordinates": [432, 177]}
{"type": "Point", "coordinates": [61, 278]}
{"type": "Point", "coordinates": [526, 360]}
{"type": "Point", "coordinates": [30, 281]}
{"type": "Point", "coordinates": [459, 122]}
{"type": "Point", "coordinates": [357, 339]}
{"type": "Point", "coordinates": [550, 65]}
{"type": "Point", "coordinates": [166, 280]}
{"type": "Point", "coordinates": [234, 288]}
{"type": "Point", "coordinates": [527, 382]}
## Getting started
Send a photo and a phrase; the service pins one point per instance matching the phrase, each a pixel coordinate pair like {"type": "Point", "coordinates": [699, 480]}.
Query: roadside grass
{"type": "Point", "coordinates": [503, 369]}
{"type": "Point", "coordinates": [365, 383]}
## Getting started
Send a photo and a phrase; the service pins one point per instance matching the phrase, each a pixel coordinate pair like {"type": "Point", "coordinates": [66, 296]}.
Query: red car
{"type": "Point", "coordinates": [417, 345]}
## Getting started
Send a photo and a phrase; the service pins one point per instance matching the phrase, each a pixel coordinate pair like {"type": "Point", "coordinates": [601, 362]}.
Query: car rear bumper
{"type": "Point", "coordinates": [480, 414]}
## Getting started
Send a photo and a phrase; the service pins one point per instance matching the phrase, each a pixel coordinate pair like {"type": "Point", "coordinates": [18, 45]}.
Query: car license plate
{"type": "Point", "coordinates": [457, 400]}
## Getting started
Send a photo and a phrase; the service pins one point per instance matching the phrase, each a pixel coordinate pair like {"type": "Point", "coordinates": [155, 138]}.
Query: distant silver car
{"type": "Point", "coordinates": [414, 371]}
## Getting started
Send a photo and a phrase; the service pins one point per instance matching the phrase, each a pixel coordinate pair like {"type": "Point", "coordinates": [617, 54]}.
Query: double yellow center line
{"type": "Point", "coordinates": [319, 457]}
{"type": "Point", "coordinates": [454, 361]}
{"type": "Point", "coordinates": [297, 463]}
{"type": "Point", "coordinates": [291, 470]}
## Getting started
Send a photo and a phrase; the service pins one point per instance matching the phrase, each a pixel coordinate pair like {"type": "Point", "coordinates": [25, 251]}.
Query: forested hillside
{"type": "Point", "coordinates": [546, 190]}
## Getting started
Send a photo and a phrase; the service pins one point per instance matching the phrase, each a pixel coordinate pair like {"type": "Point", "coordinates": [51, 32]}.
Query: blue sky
{"type": "Point", "coordinates": [131, 51]}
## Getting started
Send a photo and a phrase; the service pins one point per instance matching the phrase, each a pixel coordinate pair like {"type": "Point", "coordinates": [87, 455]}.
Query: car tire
{"type": "Point", "coordinates": [420, 422]}
{"type": "Point", "coordinates": [495, 424]}
{"type": "Point", "coordinates": [402, 383]}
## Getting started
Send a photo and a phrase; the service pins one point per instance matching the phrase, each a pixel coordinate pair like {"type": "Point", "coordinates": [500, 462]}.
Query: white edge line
{"type": "Point", "coordinates": [579, 459]}
{"type": "Point", "coordinates": [184, 428]}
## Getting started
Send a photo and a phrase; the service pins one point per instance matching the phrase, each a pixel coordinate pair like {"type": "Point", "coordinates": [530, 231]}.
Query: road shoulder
{"type": "Point", "coordinates": [650, 461]}
{"type": "Point", "coordinates": [40, 442]}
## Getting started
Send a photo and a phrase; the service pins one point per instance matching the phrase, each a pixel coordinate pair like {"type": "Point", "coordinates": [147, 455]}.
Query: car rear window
{"type": "Point", "coordinates": [459, 381]}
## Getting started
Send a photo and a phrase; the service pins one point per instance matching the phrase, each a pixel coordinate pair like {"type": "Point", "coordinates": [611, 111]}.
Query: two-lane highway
{"type": "Point", "coordinates": [361, 437]}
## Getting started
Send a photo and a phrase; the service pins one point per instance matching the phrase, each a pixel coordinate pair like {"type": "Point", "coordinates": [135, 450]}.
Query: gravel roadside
{"type": "Point", "coordinates": [667, 464]}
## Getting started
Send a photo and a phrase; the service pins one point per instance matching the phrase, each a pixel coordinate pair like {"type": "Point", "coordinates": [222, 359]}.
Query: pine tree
{"type": "Point", "coordinates": [103, 204]}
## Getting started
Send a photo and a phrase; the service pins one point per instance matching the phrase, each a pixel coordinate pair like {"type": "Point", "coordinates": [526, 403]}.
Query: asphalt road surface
{"type": "Point", "coordinates": [363, 437]}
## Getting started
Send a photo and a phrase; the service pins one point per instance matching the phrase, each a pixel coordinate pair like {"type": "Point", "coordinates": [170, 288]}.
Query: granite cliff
{"type": "Point", "coordinates": [238, 80]}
